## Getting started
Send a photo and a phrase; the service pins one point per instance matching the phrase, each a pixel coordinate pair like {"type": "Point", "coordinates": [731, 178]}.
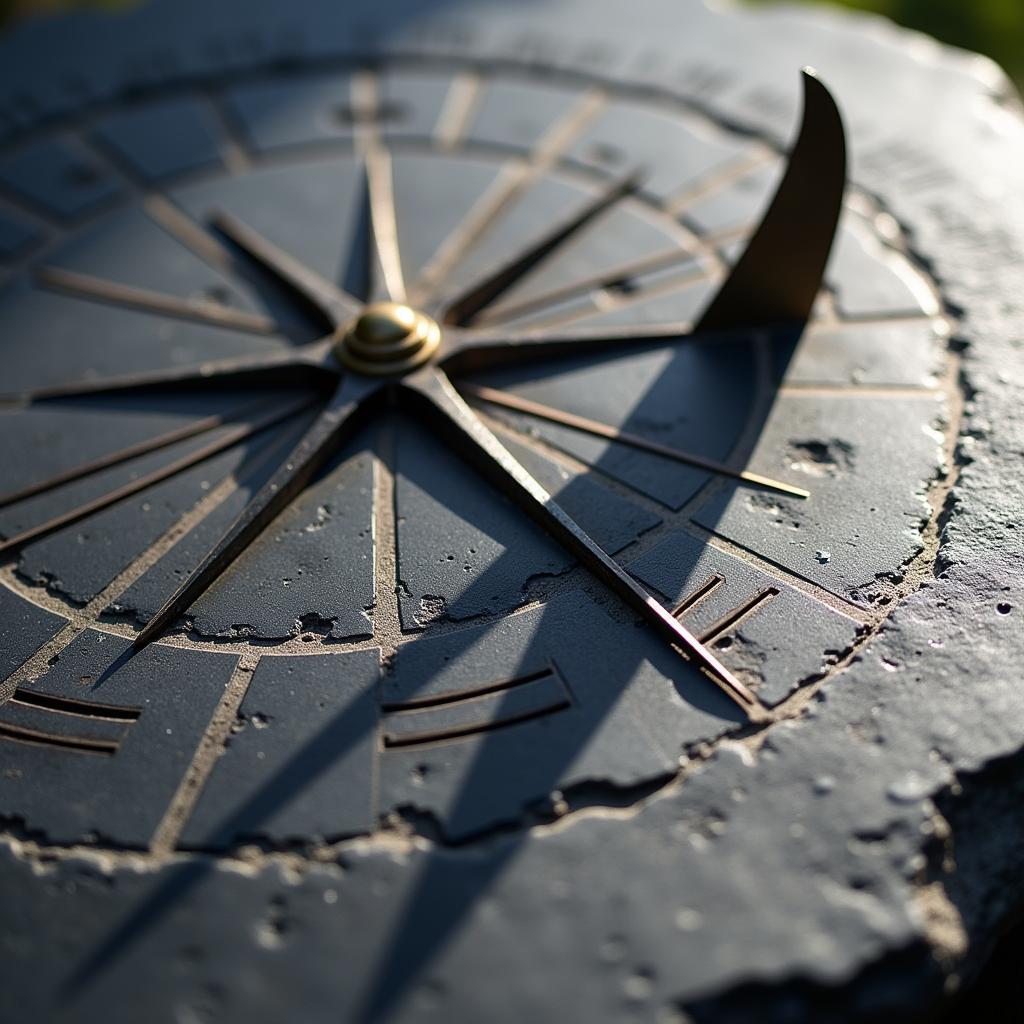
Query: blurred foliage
{"type": "Point", "coordinates": [992, 27]}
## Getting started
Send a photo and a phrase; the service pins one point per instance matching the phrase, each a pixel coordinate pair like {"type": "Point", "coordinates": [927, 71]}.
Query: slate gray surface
{"type": "Point", "coordinates": [850, 862]}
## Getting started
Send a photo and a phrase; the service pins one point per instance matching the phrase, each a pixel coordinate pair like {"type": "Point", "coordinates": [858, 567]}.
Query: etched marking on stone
{"type": "Point", "coordinates": [233, 148]}
{"type": "Point", "coordinates": [460, 105]}
{"type": "Point", "coordinates": [30, 710]}
{"type": "Point", "coordinates": [457, 714]}
{"type": "Point", "coordinates": [513, 180]}
{"type": "Point", "coordinates": [165, 838]}
{"type": "Point", "coordinates": [731, 619]}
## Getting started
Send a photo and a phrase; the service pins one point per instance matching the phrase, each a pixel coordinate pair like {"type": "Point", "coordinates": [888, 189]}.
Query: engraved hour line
{"type": "Point", "coordinates": [418, 711]}
{"type": "Point", "coordinates": [739, 614]}
{"type": "Point", "coordinates": [387, 623]}
{"type": "Point", "coordinates": [228, 440]}
{"type": "Point", "coordinates": [464, 308]}
{"type": "Point", "coordinates": [392, 741]}
{"type": "Point", "coordinates": [87, 616]}
{"type": "Point", "coordinates": [682, 519]}
{"type": "Point", "coordinates": [718, 179]}
{"type": "Point", "coordinates": [151, 444]}
{"type": "Point", "coordinates": [97, 289]}
{"type": "Point", "coordinates": [211, 745]}
{"type": "Point", "coordinates": [731, 619]}
{"type": "Point", "coordinates": [821, 128]}
{"type": "Point", "coordinates": [469, 695]}
{"type": "Point", "coordinates": [497, 464]}
{"type": "Point", "coordinates": [608, 279]}
{"type": "Point", "coordinates": [40, 705]}
{"type": "Point", "coordinates": [87, 709]}
{"type": "Point", "coordinates": [590, 426]}
{"type": "Point", "coordinates": [324, 296]}
{"type": "Point", "coordinates": [459, 107]}
{"type": "Point", "coordinates": [701, 594]}
{"type": "Point", "coordinates": [606, 300]}
{"type": "Point", "coordinates": [234, 149]}
{"type": "Point", "coordinates": [380, 198]}
{"type": "Point", "coordinates": [703, 249]}
{"type": "Point", "coordinates": [514, 179]}
{"type": "Point", "coordinates": [183, 229]}
{"type": "Point", "coordinates": [57, 741]}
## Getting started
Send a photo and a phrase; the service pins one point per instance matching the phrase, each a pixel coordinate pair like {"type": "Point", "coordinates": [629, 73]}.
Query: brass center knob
{"type": "Point", "coordinates": [387, 338]}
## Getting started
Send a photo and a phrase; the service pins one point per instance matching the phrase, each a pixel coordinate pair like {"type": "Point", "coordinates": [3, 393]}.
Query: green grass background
{"type": "Point", "coordinates": [993, 27]}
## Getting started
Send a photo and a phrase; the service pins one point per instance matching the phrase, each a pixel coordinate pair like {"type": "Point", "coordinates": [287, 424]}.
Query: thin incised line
{"type": "Point", "coordinates": [233, 149]}
{"type": "Point", "coordinates": [151, 444]}
{"type": "Point", "coordinates": [185, 230]}
{"type": "Point", "coordinates": [719, 179]}
{"type": "Point", "coordinates": [365, 95]}
{"type": "Point", "coordinates": [700, 595]}
{"type": "Point", "coordinates": [96, 289]}
{"type": "Point", "coordinates": [737, 615]}
{"type": "Point", "coordinates": [606, 279]}
{"type": "Point", "coordinates": [168, 832]}
{"type": "Point", "coordinates": [179, 465]}
{"type": "Point", "coordinates": [623, 437]}
{"type": "Point", "coordinates": [459, 106]}
{"type": "Point", "coordinates": [511, 182]}
{"type": "Point", "coordinates": [607, 300]}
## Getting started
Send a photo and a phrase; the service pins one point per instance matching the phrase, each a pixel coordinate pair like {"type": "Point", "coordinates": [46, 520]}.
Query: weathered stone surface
{"type": "Point", "coordinates": [848, 860]}
{"type": "Point", "coordinates": [102, 739]}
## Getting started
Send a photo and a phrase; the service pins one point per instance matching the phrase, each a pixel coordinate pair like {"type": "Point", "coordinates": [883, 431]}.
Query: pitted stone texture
{"type": "Point", "coordinates": [310, 570]}
{"type": "Point", "coordinates": [115, 770]}
{"type": "Point", "coordinates": [304, 740]}
{"type": "Point", "coordinates": [800, 901]}
{"type": "Point", "coordinates": [691, 397]}
{"type": "Point", "coordinates": [549, 699]}
{"type": "Point", "coordinates": [746, 615]}
{"type": "Point", "coordinates": [30, 628]}
{"type": "Point", "coordinates": [816, 441]}
{"type": "Point", "coordinates": [445, 570]}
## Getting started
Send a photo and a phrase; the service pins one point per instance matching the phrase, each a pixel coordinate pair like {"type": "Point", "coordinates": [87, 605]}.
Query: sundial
{"type": "Point", "coordinates": [506, 513]}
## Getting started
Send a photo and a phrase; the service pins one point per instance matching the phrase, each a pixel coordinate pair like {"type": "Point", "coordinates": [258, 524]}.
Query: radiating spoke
{"type": "Point", "coordinates": [228, 439]}
{"type": "Point", "coordinates": [374, 272]}
{"type": "Point", "coordinates": [773, 284]}
{"type": "Point", "coordinates": [464, 308]}
{"type": "Point", "coordinates": [478, 349]}
{"type": "Point", "coordinates": [590, 426]}
{"type": "Point", "coordinates": [475, 440]}
{"type": "Point", "coordinates": [310, 454]}
{"type": "Point", "coordinates": [330, 300]}
{"type": "Point", "coordinates": [777, 278]}
{"type": "Point", "coordinates": [382, 261]}
{"type": "Point", "coordinates": [605, 281]}
{"type": "Point", "coordinates": [84, 286]}
{"type": "Point", "coordinates": [309, 365]}
{"type": "Point", "coordinates": [151, 444]}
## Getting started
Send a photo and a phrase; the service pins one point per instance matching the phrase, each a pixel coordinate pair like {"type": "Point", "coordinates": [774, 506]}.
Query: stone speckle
{"type": "Point", "coordinates": [827, 892]}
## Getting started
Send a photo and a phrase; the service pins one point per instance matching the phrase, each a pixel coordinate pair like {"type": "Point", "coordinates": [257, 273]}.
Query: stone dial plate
{"type": "Point", "coordinates": [391, 705]}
